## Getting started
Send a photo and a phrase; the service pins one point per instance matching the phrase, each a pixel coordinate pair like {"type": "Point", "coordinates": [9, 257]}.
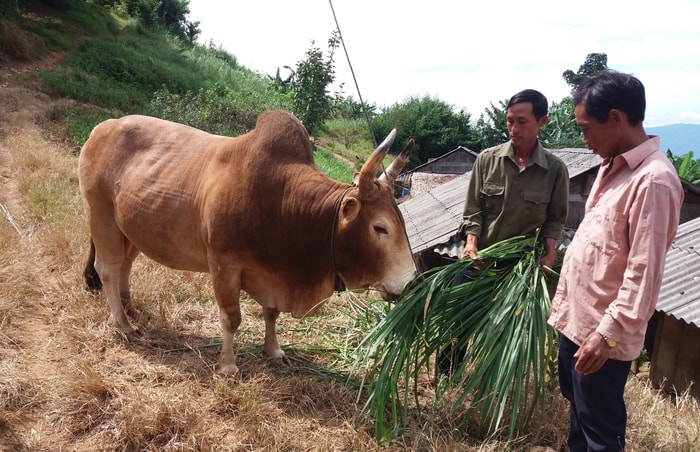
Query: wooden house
{"type": "Point", "coordinates": [673, 336]}
{"type": "Point", "coordinates": [436, 171]}
{"type": "Point", "coordinates": [691, 201]}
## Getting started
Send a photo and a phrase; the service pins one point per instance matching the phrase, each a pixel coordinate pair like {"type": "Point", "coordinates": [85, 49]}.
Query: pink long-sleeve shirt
{"type": "Point", "coordinates": [612, 270]}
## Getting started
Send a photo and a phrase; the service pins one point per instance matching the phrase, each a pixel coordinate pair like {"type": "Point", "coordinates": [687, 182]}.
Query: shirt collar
{"type": "Point", "coordinates": [537, 156]}
{"type": "Point", "coordinates": [635, 156]}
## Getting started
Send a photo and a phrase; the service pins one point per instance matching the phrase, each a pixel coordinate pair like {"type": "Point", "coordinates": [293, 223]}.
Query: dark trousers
{"type": "Point", "coordinates": [598, 415]}
{"type": "Point", "coordinates": [452, 356]}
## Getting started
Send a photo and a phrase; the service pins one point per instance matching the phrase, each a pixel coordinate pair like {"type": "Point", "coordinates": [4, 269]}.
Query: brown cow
{"type": "Point", "coordinates": [254, 211]}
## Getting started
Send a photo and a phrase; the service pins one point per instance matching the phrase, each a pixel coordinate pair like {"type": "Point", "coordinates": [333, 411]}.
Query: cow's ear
{"type": "Point", "coordinates": [349, 209]}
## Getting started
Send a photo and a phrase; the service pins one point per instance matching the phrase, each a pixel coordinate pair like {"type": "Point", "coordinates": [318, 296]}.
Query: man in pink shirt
{"type": "Point", "coordinates": [612, 270]}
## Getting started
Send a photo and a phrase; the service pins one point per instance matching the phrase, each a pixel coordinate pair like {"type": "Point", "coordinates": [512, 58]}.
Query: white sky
{"type": "Point", "coordinates": [471, 54]}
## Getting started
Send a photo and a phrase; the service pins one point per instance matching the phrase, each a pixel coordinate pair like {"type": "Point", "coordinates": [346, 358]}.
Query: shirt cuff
{"type": "Point", "coordinates": [609, 327]}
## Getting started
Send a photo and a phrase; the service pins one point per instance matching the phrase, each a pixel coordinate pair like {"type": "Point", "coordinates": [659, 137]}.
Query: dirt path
{"type": "Point", "coordinates": [31, 326]}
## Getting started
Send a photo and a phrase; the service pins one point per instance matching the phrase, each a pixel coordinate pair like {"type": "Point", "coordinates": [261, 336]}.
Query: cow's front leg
{"type": "Point", "coordinates": [230, 320]}
{"type": "Point", "coordinates": [227, 293]}
{"type": "Point", "coordinates": [272, 347]}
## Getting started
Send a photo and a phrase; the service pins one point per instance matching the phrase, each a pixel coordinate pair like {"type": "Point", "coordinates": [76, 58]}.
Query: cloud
{"type": "Point", "coordinates": [470, 55]}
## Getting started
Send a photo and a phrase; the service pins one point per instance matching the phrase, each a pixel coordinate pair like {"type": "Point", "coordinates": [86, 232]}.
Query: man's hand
{"type": "Point", "coordinates": [468, 251]}
{"type": "Point", "coordinates": [547, 262]}
{"type": "Point", "coordinates": [470, 248]}
{"type": "Point", "coordinates": [592, 354]}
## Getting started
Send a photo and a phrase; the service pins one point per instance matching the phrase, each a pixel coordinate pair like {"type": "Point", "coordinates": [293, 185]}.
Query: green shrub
{"type": "Point", "coordinates": [80, 124]}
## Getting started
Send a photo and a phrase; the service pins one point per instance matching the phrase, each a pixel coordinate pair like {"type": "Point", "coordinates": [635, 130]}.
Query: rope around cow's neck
{"type": "Point", "coordinates": [338, 203]}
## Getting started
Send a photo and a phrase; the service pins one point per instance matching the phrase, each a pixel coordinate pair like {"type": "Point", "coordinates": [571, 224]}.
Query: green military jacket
{"type": "Point", "coordinates": [504, 200]}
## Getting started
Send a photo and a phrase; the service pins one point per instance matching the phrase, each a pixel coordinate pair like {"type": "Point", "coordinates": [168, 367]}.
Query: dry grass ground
{"type": "Point", "coordinates": [69, 382]}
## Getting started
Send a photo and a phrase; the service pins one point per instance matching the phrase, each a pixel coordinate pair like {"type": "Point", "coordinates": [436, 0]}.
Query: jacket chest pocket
{"type": "Point", "coordinates": [492, 196]}
{"type": "Point", "coordinates": [536, 205]}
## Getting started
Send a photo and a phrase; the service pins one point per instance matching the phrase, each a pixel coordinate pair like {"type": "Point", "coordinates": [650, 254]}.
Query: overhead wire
{"type": "Point", "coordinates": [352, 71]}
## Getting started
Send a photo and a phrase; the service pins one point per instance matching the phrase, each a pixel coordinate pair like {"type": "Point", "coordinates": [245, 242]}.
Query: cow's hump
{"type": "Point", "coordinates": [283, 135]}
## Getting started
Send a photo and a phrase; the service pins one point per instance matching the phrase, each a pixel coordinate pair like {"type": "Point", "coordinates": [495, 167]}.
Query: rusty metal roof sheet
{"type": "Point", "coordinates": [680, 288]}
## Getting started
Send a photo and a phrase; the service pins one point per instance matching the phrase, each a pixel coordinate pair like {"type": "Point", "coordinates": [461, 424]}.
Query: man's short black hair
{"type": "Point", "coordinates": [539, 102]}
{"type": "Point", "coordinates": [610, 89]}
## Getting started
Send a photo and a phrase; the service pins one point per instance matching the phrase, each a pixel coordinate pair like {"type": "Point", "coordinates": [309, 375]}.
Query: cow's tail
{"type": "Point", "coordinates": [93, 283]}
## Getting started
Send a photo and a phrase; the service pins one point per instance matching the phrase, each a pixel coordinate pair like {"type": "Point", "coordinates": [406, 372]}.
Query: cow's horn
{"type": "Point", "coordinates": [397, 165]}
{"type": "Point", "coordinates": [369, 168]}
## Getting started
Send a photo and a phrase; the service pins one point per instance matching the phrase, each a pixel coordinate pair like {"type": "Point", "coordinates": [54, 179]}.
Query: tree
{"type": "Point", "coordinates": [595, 62]}
{"type": "Point", "coordinates": [172, 14]}
{"type": "Point", "coordinates": [312, 103]}
{"type": "Point", "coordinates": [144, 10]}
{"type": "Point", "coordinates": [432, 123]}
{"type": "Point", "coordinates": [350, 109]}
{"type": "Point", "coordinates": [491, 126]}
{"type": "Point", "coordinates": [192, 31]}
{"type": "Point", "coordinates": [561, 130]}
{"type": "Point", "coordinates": [168, 14]}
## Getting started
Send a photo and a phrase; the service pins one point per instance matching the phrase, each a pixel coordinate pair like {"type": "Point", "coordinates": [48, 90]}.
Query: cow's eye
{"type": "Point", "coordinates": [379, 229]}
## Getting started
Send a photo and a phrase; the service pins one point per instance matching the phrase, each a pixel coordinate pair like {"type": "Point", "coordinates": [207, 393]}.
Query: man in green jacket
{"type": "Point", "coordinates": [519, 186]}
{"type": "Point", "coordinates": [515, 188]}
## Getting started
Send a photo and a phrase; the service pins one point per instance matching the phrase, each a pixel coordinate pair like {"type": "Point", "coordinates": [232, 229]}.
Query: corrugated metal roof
{"type": "Point", "coordinates": [680, 288]}
{"type": "Point", "coordinates": [432, 218]}
{"type": "Point", "coordinates": [577, 160]}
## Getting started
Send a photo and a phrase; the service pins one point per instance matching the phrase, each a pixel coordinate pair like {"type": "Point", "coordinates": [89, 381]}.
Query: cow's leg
{"type": "Point", "coordinates": [272, 347]}
{"type": "Point", "coordinates": [110, 252]}
{"type": "Point", "coordinates": [130, 254]}
{"type": "Point", "coordinates": [227, 293]}
{"type": "Point", "coordinates": [230, 320]}
{"type": "Point", "coordinates": [110, 278]}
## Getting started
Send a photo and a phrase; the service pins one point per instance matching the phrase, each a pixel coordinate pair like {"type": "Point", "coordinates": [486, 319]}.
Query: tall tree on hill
{"type": "Point", "coordinates": [595, 62]}
{"type": "Point", "coordinates": [168, 14]}
{"type": "Point", "coordinates": [433, 124]}
{"type": "Point", "coordinates": [312, 102]}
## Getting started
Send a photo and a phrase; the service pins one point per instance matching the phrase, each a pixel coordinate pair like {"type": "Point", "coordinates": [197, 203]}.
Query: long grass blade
{"type": "Point", "coordinates": [499, 317]}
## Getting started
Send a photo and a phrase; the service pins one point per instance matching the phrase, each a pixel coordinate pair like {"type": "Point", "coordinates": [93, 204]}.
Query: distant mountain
{"type": "Point", "coordinates": [680, 138]}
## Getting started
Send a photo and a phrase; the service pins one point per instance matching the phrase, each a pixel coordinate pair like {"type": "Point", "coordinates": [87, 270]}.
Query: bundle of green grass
{"type": "Point", "coordinates": [499, 318]}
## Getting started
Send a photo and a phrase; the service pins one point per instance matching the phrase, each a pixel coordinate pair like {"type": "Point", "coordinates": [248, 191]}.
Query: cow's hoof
{"type": "Point", "coordinates": [133, 337]}
{"type": "Point", "coordinates": [228, 370]}
{"type": "Point", "coordinates": [281, 361]}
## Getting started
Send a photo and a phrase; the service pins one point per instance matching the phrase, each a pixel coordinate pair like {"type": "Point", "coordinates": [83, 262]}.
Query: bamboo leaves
{"type": "Point", "coordinates": [499, 317]}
